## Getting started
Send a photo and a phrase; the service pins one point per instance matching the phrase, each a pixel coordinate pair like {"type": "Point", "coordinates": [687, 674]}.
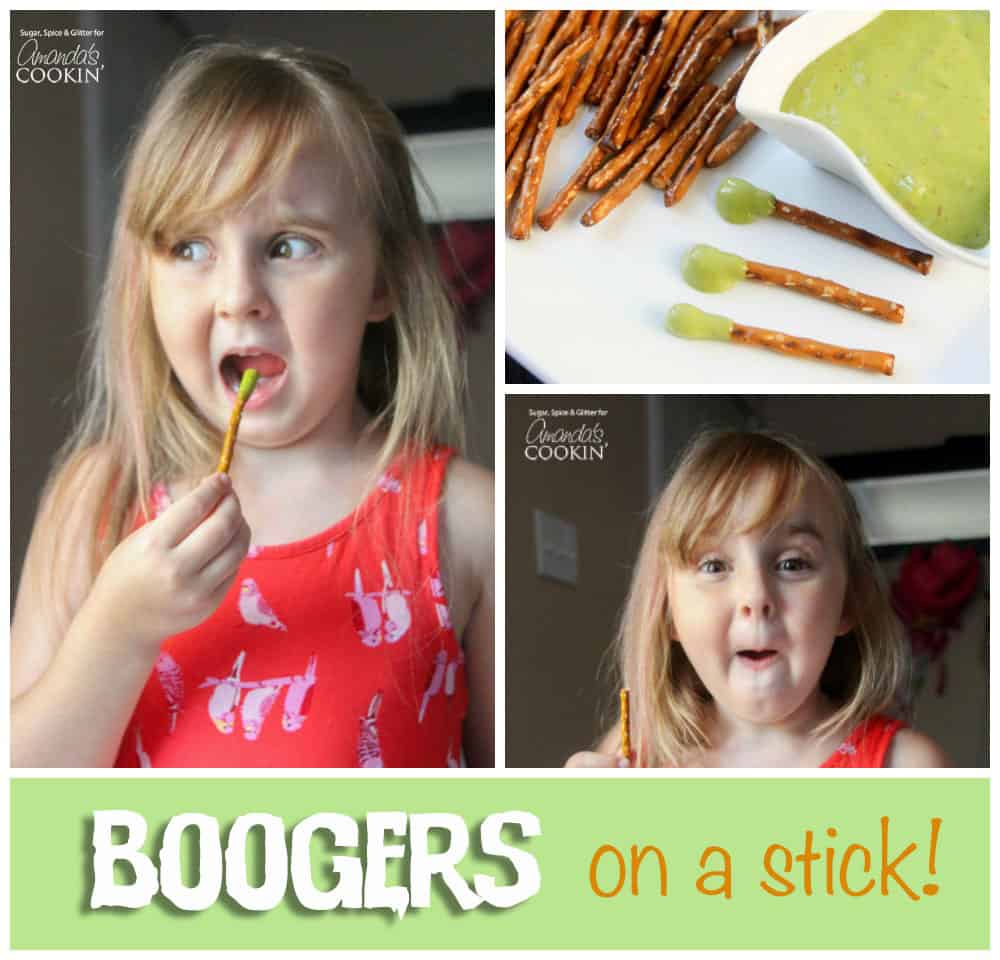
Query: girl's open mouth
{"type": "Point", "coordinates": [757, 659]}
{"type": "Point", "coordinates": [271, 370]}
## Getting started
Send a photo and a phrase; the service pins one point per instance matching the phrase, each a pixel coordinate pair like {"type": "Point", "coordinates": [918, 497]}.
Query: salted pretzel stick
{"type": "Point", "coordinates": [509, 17]}
{"type": "Point", "coordinates": [744, 35]}
{"type": "Point", "coordinates": [587, 72]}
{"type": "Point", "coordinates": [514, 37]}
{"type": "Point", "coordinates": [695, 160]}
{"type": "Point", "coordinates": [583, 70]}
{"type": "Point", "coordinates": [647, 71]}
{"type": "Point", "coordinates": [906, 256]}
{"type": "Point", "coordinates": [557, 72]}
{"type": "Point", "coordinates": [609, 102]}
{"type": "Point", "coordinates": [547, 217]}
{"type": "Point", "coordinates": [567, 31]}
{"type": "Point", "coordinates": [542, 24]}
{"type": "Point", "coordinates": [666, 170]}
{"type": "Point", "coordinates": [687, 29]}
{"type": "Point", "coordinates": [680, 86]}
{"type": "Point", "coordinates": [524, 209]}
{"type": "Point", "coordinates": [731, 144]}
{"type": "Point", "coordinates": [518, 159]}
{"type": "Point", "coordinates": [825, 290]}
{"type": "Point", "coordinates": [247, 383]}
{"type": "Point", "coordinates": [688, 322]}
{"type": "Point", "coordinates": [651, 132]}
{"type": "Point", "coordinates": [607, 66]}
{"type": "Point", "coordinates": [626, 725]}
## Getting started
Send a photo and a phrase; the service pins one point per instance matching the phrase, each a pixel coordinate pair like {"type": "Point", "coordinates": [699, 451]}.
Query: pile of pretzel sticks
{"type": "Point", "coordinates": [658, 116]}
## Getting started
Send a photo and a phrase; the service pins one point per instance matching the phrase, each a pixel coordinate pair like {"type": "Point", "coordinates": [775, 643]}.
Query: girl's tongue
{"type": "Point", "coordinates": [266, 364]}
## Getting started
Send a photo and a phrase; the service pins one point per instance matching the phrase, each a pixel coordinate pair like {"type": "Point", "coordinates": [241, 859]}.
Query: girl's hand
{"type": "Point", "coordinates": [588, 758]}
{"type": "Point", "coordinates": [174, 571]}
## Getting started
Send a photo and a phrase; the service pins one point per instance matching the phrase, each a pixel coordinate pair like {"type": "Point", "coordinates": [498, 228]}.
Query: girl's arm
{"type": "Point", "coordinates": [82, 650]}
{"type": "Point", "coordinates": [466, 536]}
{"type": "Point", "coordinates": [912, 749]}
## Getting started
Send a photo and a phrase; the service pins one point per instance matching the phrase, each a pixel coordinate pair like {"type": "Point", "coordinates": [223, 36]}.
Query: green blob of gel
{"type": "Point", "coordinates": [710, 270]}
{"type": "Point", "coordinates": [684, 320]}
{"type": "Point", "coordinates": [739, 201]}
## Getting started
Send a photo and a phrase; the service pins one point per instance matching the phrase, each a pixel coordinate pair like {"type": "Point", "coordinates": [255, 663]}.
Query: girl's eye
{"type": "Point", "coordinates": [194, 251]}
{"type": "Point", "coordinates": [292, 248]}
{"type": "Point", "coordinates": [793, 564]}
{"type": "Point", "coordinates": [711, 566]}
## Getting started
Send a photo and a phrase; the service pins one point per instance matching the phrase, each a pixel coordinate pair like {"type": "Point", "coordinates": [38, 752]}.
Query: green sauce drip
{"type": "Point", "coordinates": [683, 320]}
{"type": "Point", "coordinates": [710, 270]}
{"type": "Point", "coordinates": [739, 201]}
{"type": "Point", "coordinates": [909, 95]}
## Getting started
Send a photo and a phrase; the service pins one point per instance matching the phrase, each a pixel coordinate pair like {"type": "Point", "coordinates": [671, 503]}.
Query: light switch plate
{"type": "Point", "coordinates": [555, 548]}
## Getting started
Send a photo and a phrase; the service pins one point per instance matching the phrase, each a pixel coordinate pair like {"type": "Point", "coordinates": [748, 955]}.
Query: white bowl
{"type": "Point", "coordinates": [759, 100]}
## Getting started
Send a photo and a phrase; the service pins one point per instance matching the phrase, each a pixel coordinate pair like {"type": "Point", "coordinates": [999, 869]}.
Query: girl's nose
{"type": "Point", "coordinates": [242, 293]}
{"type": "Point", "coordinates": [756, 598]}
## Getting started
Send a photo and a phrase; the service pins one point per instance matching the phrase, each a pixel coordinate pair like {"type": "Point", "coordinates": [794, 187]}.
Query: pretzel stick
{"type": "Point", "coordinates": [906, 256]}
{"type": "Point", "coordinates": [247, 384]}
{"type": "Point", "coordinates": [744, 35]}
{"type": "Point", "coordinates": [793, 346]}
{"type": "Point", "coordinates": [645, 73]}
{"type": "Point", "coordinates": [688, 322]}
{"type": "Point", "coordinates": [825, 290]}
{"type": "Point", "coordinates": [542, 24]}
{"type": "Point", "coordinates": [568, 193]}
{"type": "Point", "coordinates": [687, 28]}
{"type": "Point", "coordinates": [524, 209]}
{"type": "Point", "coordinates": [509, 17]}
{"type": "Point", "coordinates": [680, 86]}
{"type": "Point", "coordinates": [696, 158]}
{"type": "Point", "coordinates": [589, 69]}
{"type": "Point", "coordinates": [624, 160]}
{"type": "Point", "coordinates": [626, 725]}
{"type": "Point", "coordinates": [594, 19]}
{"type": "Point", "coordinates": [731, 144]}
{"type": "Point", "coordinates": [727, 148]}
{"type": "Point", "coordinates": [665, 171]}
{"type": "Point", "coordinates": [607, 66]}
{"type": "Point", "coordinates": [515, 166]}
{"type": "Point", "coordinates": [567, 30]}
{"type": "Point", "coordinates": [514, 37]}
{"type": "Point", "coordinates": [622, 73]}
{"type": "Point", "coordinates": [647, 16]}
{"type": "Point", "coordinates": [556, 73]}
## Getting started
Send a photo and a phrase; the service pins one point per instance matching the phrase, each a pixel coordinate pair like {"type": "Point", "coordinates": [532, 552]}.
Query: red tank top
{"type": "Point", "coordinates": [336, 651]}
{"type": "Point", "coordinates": [867, 745]}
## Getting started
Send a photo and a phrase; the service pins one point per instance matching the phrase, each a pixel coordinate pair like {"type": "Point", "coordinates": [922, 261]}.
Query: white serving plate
{"type": "Point", "coordinates": [759, 100]}
{"type": "Point", "coordinates": [586, 305]}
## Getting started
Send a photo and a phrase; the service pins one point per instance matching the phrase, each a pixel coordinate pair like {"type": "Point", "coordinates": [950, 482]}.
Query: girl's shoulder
{"type": "Point", "coordinates": [910, 748]}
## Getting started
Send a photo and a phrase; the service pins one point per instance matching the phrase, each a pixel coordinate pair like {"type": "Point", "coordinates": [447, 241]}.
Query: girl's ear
{"type": "Point", "coordinates": [381, 305]}
{"type": "Point", "coordinates": [846, 623]}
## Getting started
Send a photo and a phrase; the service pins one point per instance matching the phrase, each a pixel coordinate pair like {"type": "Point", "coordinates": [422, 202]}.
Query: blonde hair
{"type": "Point", "coordinates": [274, 101]}
{"type": "Point", "coordinates": [866, 666]}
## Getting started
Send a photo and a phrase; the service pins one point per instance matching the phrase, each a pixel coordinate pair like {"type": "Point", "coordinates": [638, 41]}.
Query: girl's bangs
{"type": "Point", "coordinates": [707, 492]}
{"type": "Point", "coordinates": [219, 170]}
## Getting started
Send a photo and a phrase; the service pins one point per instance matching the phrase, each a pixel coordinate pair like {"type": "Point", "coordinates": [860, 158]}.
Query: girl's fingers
{"type": "Point", "coordinates": [211, 537]}
{"type": "Point", "coordinates": [587, 758]}
{"type": "Point", "coordinates": [220, 570]}
{"type": "Point", "coordinates": [182, 517]}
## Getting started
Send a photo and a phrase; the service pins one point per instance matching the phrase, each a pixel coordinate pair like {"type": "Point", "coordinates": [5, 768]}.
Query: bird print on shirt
{"type": "Point", "coordinates": [255, 609]}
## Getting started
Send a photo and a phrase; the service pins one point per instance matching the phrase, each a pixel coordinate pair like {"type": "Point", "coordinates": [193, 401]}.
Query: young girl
{"type": "Point", "coordinates": [757, 631]}
{"type": "Point", "coordinates": [331, 603]}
